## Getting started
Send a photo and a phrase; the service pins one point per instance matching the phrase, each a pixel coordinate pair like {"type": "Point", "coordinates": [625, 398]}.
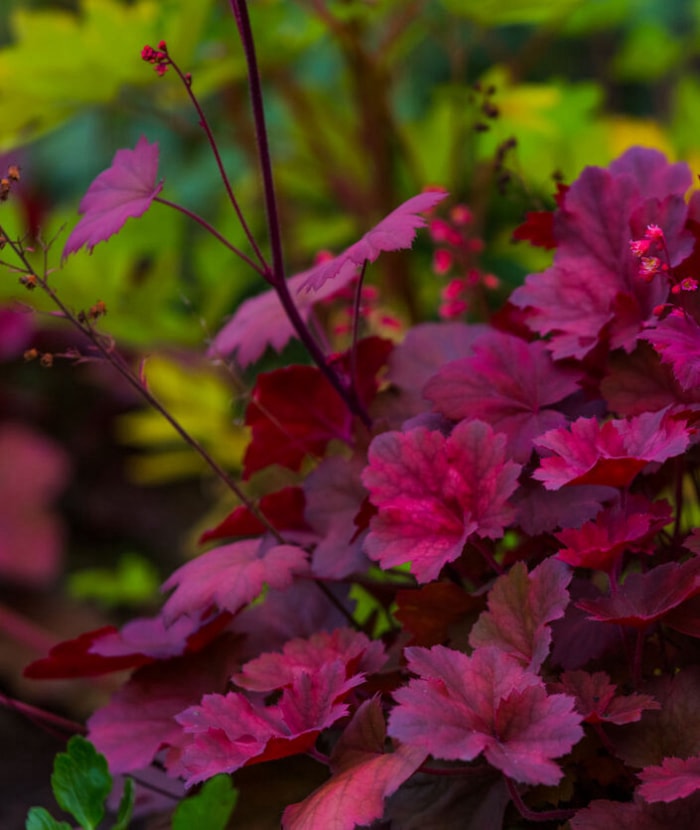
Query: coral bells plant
{"type": "Point", "coordinates": [513, 501]}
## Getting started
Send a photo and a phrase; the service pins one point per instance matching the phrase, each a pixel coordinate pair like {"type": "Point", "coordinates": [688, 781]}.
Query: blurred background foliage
{"type": "Point", "coordinates": [368, 101]}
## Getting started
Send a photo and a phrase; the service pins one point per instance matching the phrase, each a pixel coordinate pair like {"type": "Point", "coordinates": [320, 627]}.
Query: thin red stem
{"type": "Point", "coordinates": [204, 124]}
{"type": "Point", "coordinates": [210, 229]}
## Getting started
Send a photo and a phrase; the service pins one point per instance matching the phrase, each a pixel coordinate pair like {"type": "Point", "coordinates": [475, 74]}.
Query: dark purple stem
{"type": "Point", "coordinates": [356, 325]}
{"type": "Point", "coordinates": [209, 229]}
{"type": "Point", "coordinates": [204, 124]}
{"type": "Point", "coordinates": [534, 815]}
{"type": "Point", "coordinates": [277, 278]}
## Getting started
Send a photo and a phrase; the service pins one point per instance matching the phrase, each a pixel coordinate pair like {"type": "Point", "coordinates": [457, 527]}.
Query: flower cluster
{"type": "Point", "coordinates": [457, 251]}
{"type": "Point", "coordinates": [159, 57]}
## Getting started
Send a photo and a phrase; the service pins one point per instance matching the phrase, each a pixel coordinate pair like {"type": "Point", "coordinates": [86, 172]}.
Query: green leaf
{"type": "Point", "coordinates": [211, 807]}
{"type": "Point", "coordinates": [40, 819]}
{"type": "Point", "coordinates": [126, 806]}
{"type": "Point", "coordinates": [135, 580]}
{"type": "Point", "coordinates": [81, 782]}
{"type": "Point", "coordinates": [510, 12]}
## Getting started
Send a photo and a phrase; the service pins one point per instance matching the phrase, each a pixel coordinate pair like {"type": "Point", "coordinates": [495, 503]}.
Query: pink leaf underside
{"type": "Point", "coordinates": [677, 340]}
{"type": "Point", "coordinates": [363, 776]}
{"type": "Point", "coordinates": [597, 699]}
{"type": "Point", "coordinates": [599, 544]}
{"type": "Point", "coordinates": [140, 718]}
{"type": "Point", "coordinates": [519, 607]}
{"type": "Point", "coordinates": [334, 495]}
{"type": "Point", "coordinates": [675, 778]}
{"type": "Point", "coordinates": [395, 231]}
{"type": "Point", "coordinates": [644, 598]}
{"type": "Point", "coordinates": [426, 348]}
{"type": "Point", "coordinates": [612, 453]}
{"type": "Point", "coordinates": [230, 576]}
{"type": "Point", "coordinates": [434, 492]}
{"type": "Point", "coordinates": [228, 731]}
{"type": "Point", "coordinates": [309, 655]}
{"type": "Point", "coordinates": [508, 383]}
{"type": "Point", "coordinates": [124, 190]}
{"type": "Point", "coordinates": [594, 274]}
{"type": "Point", "coordinates": [462, 706]}
{"type": "Point", "coordinates": [261, 321]}
{"type": "Point", "coordinates": [149, 636]}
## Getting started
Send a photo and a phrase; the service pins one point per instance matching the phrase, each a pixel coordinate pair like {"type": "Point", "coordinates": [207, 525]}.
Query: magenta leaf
{"type": "Point", "coordinates": [612, 453]}
{"type": "Point", "coordinates": [677, 340]}
{"type": "Point", "coordinates": [629, 525]}
{"type": "Point", "coordinates": [124, 190]}
{"type": "Point", "coordinates": [434, 493]}
{"type": "Point", "coordinates": [593, 288]}
{"type": "Point", "coordinates": [228, 731]}
{"type": "Point", "coordinates": [462, 706]}
{"type": "Point", "coordinates": [261, 321]}
{"type": "Point", "coordinates": [510, 384]}
{"type": "Point", "coordinates": [309, 655]}
{"type": "Point", "coordinates": [675, 778]}
{"type": "Point", "coordinates": [334, 495]}
{"type": "Point", "coordinates": [519, 607]}
{"type": "Point", "coordinates": [597, 699]}
{"type": "Point", "coordinates": [395, 231]}
{"type": "Point", "coordinates": [645, 598]}
{"type": "Point", "coordinates": [364, 774]}
{"type": "Point", "coordinates": [231, 576]}
{"type": "Point", "coordinates": [139, 720]}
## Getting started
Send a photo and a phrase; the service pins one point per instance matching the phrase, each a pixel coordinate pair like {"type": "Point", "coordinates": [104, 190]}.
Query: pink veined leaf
{"type": "Point", "coordinates": [229, 731]}
{"type": "Point", "coordinates": [352, 648]}
{"type": "Point", "coordinates": [434, 492]}
{"type": "Point", "coordinates": [677, 340]}
{"type": "Point", "coordinates": [597, 699]}
{"type": "Point", "coordinates": [600, 543]}
{"type": "Point", "coordinates": [519, 607]}
{"type": "Point", "coordinates": [645, 598]}
{"type": "Point", "coordinates": [363, 776]}
{"type": "Point", "coordinates": [675, 778]}
{"type": "Point", "coordinates": [261, 321]}
{"type": "Point", "coordinates": [462, 706]}
{"type": "Point", "coordinates": [612, 453]}
{"type": "Point", "coordinates": [395, 231]}
{"type": "Point", "coordinates": [230, 576]}
{"type": "Point", "coordinates": [510, 384]}
{"type": "Point", "coordinates": [592, 290]}
{"type": "Point", "coordinates": [124, 190]}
